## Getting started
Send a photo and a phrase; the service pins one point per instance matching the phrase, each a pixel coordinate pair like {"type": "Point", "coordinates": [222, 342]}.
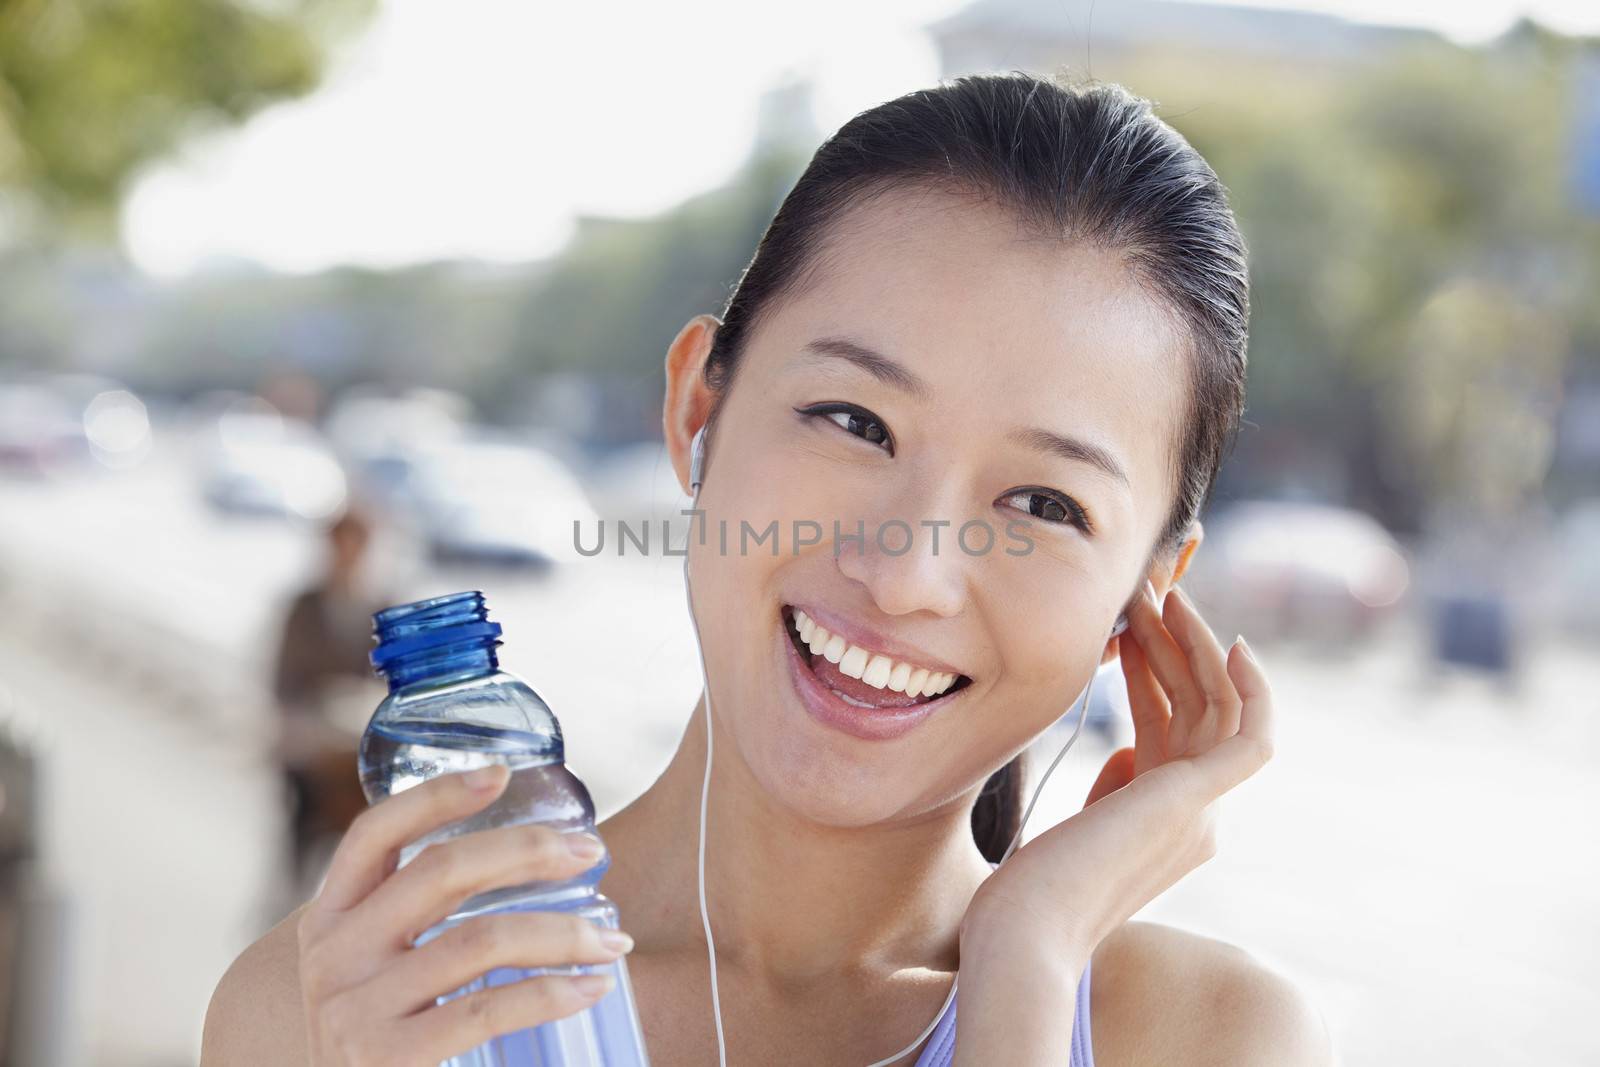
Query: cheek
{"type": "Point", "coordinates": [1046, 650]}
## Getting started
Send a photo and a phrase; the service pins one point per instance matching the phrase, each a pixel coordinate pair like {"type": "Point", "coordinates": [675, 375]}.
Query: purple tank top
{"type": "Point", "coordinates": [941, 1046]}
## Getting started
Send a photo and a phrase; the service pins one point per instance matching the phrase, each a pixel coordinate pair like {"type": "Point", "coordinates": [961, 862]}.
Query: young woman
{"type": "Point", "coordinates": [1003, 304]}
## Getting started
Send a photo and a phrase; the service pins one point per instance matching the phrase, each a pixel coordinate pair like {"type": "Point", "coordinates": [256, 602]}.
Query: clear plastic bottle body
{"type": "Point", "coordinates": [451, 709]}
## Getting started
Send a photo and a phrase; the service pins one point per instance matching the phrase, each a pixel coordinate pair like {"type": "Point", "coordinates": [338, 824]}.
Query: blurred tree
{"type": "Point", "coordinates": [91, 89]}
{"type": "Point", "coordinates": [1475, 409]}
{"type": "Point", "coordinates": [614, 298]}
{"type": "Point", "coordinates": [1378, 200]}
{"type": "Point", "coordinates": [445, 325]}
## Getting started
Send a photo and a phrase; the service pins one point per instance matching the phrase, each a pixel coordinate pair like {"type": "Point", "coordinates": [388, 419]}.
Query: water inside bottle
{"type": "Point", "coordinates": [398, 754]}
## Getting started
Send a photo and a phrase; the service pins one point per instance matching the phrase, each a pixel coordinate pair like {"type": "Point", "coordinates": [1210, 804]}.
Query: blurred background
{"type": "Point", "coordinates": [312, 306]}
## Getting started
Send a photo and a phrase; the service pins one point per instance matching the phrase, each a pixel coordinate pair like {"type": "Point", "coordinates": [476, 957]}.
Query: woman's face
{"type": "Point", "coordinates": [990, 348]}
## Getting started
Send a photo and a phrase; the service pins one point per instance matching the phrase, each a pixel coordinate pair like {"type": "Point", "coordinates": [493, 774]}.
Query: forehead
{"type": "Point", "coordinates": [1009, 328]}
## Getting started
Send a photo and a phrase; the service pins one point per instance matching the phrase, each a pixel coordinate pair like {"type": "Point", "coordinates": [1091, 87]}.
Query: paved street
{"type": "Point", "coordinates": [1420, 855]}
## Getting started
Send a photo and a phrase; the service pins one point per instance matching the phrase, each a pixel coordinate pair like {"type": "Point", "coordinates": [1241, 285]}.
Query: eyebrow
{"type": "Point", "coordinates": [1071, 448]}
{"type": "Point", "coordinates": [875, 363]}
{"type": "Point", "coordinates": [896, 374]}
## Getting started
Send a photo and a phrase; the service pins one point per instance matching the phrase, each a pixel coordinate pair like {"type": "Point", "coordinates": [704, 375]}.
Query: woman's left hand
{"type": "Point", "coordinates": [1202, 724]}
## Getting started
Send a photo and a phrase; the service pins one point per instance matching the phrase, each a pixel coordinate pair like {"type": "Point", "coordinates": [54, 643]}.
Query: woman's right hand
{"type": "Point", "coordinates": [370, 997]}
{"type": "Point", "coordinates": [1202, 725]}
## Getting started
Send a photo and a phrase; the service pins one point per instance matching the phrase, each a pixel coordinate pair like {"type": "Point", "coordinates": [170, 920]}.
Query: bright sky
{"type": "Point", "coordinates": [479, 128]}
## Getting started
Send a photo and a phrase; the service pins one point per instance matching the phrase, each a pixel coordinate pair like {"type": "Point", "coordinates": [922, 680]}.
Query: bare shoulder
{"type": "Point", "coordinates": [1165, 996]}
{"type": "Point", "coordinates": [256, 1017]}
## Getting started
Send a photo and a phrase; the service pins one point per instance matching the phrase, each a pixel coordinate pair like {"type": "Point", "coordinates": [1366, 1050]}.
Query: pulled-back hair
{"type": "Point", "coordinates": [1081, 163]}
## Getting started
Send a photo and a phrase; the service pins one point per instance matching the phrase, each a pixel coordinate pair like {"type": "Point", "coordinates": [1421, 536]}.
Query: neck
{"type": "Point", "coordinates": [789, 898]}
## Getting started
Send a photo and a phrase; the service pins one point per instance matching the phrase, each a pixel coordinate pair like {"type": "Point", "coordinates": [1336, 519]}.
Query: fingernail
{"type": "Point", "coordinates": [1242, 643]}
{"type": "Point", "coordinates": [484, 777]}
{"type": "Point", "coordinates": [585, 846]}
{"type": "Point", "coordinates": [593, 985]}
{"type": "Point", "coordinates": [615, 941]}
{"type": "Point", "coordinates": [1150, 590]}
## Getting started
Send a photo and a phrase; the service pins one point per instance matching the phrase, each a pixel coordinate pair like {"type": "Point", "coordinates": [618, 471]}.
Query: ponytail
{"type": "Point", "coordinates": [997, 815]}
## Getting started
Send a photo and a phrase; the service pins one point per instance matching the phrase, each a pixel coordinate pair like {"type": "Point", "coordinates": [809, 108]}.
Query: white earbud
{"type": "Point", "coordinates": [697, 460]}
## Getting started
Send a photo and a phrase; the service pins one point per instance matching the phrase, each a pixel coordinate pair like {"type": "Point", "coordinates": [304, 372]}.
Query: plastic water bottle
{"type": "Point", "coordinates": [450, 708]}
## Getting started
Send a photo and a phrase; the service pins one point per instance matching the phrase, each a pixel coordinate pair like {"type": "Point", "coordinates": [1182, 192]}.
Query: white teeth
{"type": "Point", "coordinates": [878, 671]}
{"type": "Point", "coordinates": [899, 676]}
{"type": "Point", "coordinates": [854, 663]}
{"type": "Point", "coordinates": [812, 634]}
{"type": "Point", "coordinates": [873, 668]}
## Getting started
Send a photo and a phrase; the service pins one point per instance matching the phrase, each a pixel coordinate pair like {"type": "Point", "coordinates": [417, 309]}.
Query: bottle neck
{"type": "Point", "coordinates": [443, 665]}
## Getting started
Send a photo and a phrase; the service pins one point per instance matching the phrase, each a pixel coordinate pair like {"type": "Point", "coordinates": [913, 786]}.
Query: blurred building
{"type": "Point", "coordinates": [1092, 37]}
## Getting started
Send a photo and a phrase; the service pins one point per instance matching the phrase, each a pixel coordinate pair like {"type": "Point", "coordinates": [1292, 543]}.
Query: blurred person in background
{"type": "Point", "coordinates": [322, 680]}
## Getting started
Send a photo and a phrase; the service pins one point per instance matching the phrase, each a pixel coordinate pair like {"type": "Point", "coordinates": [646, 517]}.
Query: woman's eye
{"type": "Point", "coordinates": [858, 421]}
{"type": "Point", "coordinates": [1051, 507]}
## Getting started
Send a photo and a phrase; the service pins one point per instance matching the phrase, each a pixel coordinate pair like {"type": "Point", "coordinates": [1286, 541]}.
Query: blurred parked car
{"type": "Point", "coordinates": [258, 462]}
{"type": "Point", "coordinates": [40, 431]}
{"type": "Point", "coordinates": [1578, 533]}
{"type": "Point", "coordinates": [53, 424]}
{"type": "Point", "coordinates": [636, 482]}
{"type": "Point", "coordinates": [1299, 570]}
{"type": "Point", "coordinates": [497, 502]}
{"type": "Point", "coordinates": [380, 437]}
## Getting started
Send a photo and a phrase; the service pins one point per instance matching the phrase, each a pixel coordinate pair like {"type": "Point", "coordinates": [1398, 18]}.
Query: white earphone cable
{"type": "Point", "coordinates": [705, 792]}
{"type": "Point", "coordinates": [1083, 713]}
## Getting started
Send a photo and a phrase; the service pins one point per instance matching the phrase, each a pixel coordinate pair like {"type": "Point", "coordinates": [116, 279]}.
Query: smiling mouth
{"type": "Point", "coordinates": [864, 678]}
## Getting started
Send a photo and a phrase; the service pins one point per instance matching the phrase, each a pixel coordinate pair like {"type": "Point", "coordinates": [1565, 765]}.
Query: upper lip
{"type": "Point", "coordinates": [874, 640]}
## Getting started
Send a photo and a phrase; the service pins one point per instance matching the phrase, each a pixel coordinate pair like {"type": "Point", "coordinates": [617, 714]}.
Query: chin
{"type": "Point", "coordinates": [805, 779]}
{"type": "Point", "coordinates": [833, 770]}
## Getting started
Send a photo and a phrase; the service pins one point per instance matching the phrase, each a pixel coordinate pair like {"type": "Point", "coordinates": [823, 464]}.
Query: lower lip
{"type": "Point", "coordinates": [828, 708]}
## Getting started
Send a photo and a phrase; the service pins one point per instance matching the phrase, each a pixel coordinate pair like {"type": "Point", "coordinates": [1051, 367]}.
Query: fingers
{"type": "Point", "coordinates": [1219, 716]}
{"type": "Point", "coordinates": [1244, 753]}
{"type": "Point", "coordinates": [481, 944]}
{"type": "Point", "coordinates": [1256, 715]}
{"type": "Point", "coordinates": [371, 847]}
{"type": "Point", "coordinates": [443, 875]}
{"type": "Point", "coordinates": [1148, 705]}
{"type": "Point", "coordinates": [1168, 662]}
{"type": "Point", "coordinates": [370, 997]}
{"type": "Point", "coordinates": [1165, 656]}
{"type": "Point", "coordinates": [470, 1020]}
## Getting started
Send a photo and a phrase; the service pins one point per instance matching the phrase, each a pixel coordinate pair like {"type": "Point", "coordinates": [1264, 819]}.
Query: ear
{"type": "Point", "coordinates": [1185, 554]}
{"type": "Point", "coordinates": [1197, 534]}
{"type": "Point", "coordinates": [688, 399]}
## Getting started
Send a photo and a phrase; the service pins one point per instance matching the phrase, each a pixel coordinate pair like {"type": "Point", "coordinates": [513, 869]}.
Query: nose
{"type": "Point", "coordinates": [907, 562]}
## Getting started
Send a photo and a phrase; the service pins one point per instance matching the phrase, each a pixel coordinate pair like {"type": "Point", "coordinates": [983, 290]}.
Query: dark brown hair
{"type": "Point", "coordinates": [1089, 163]}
